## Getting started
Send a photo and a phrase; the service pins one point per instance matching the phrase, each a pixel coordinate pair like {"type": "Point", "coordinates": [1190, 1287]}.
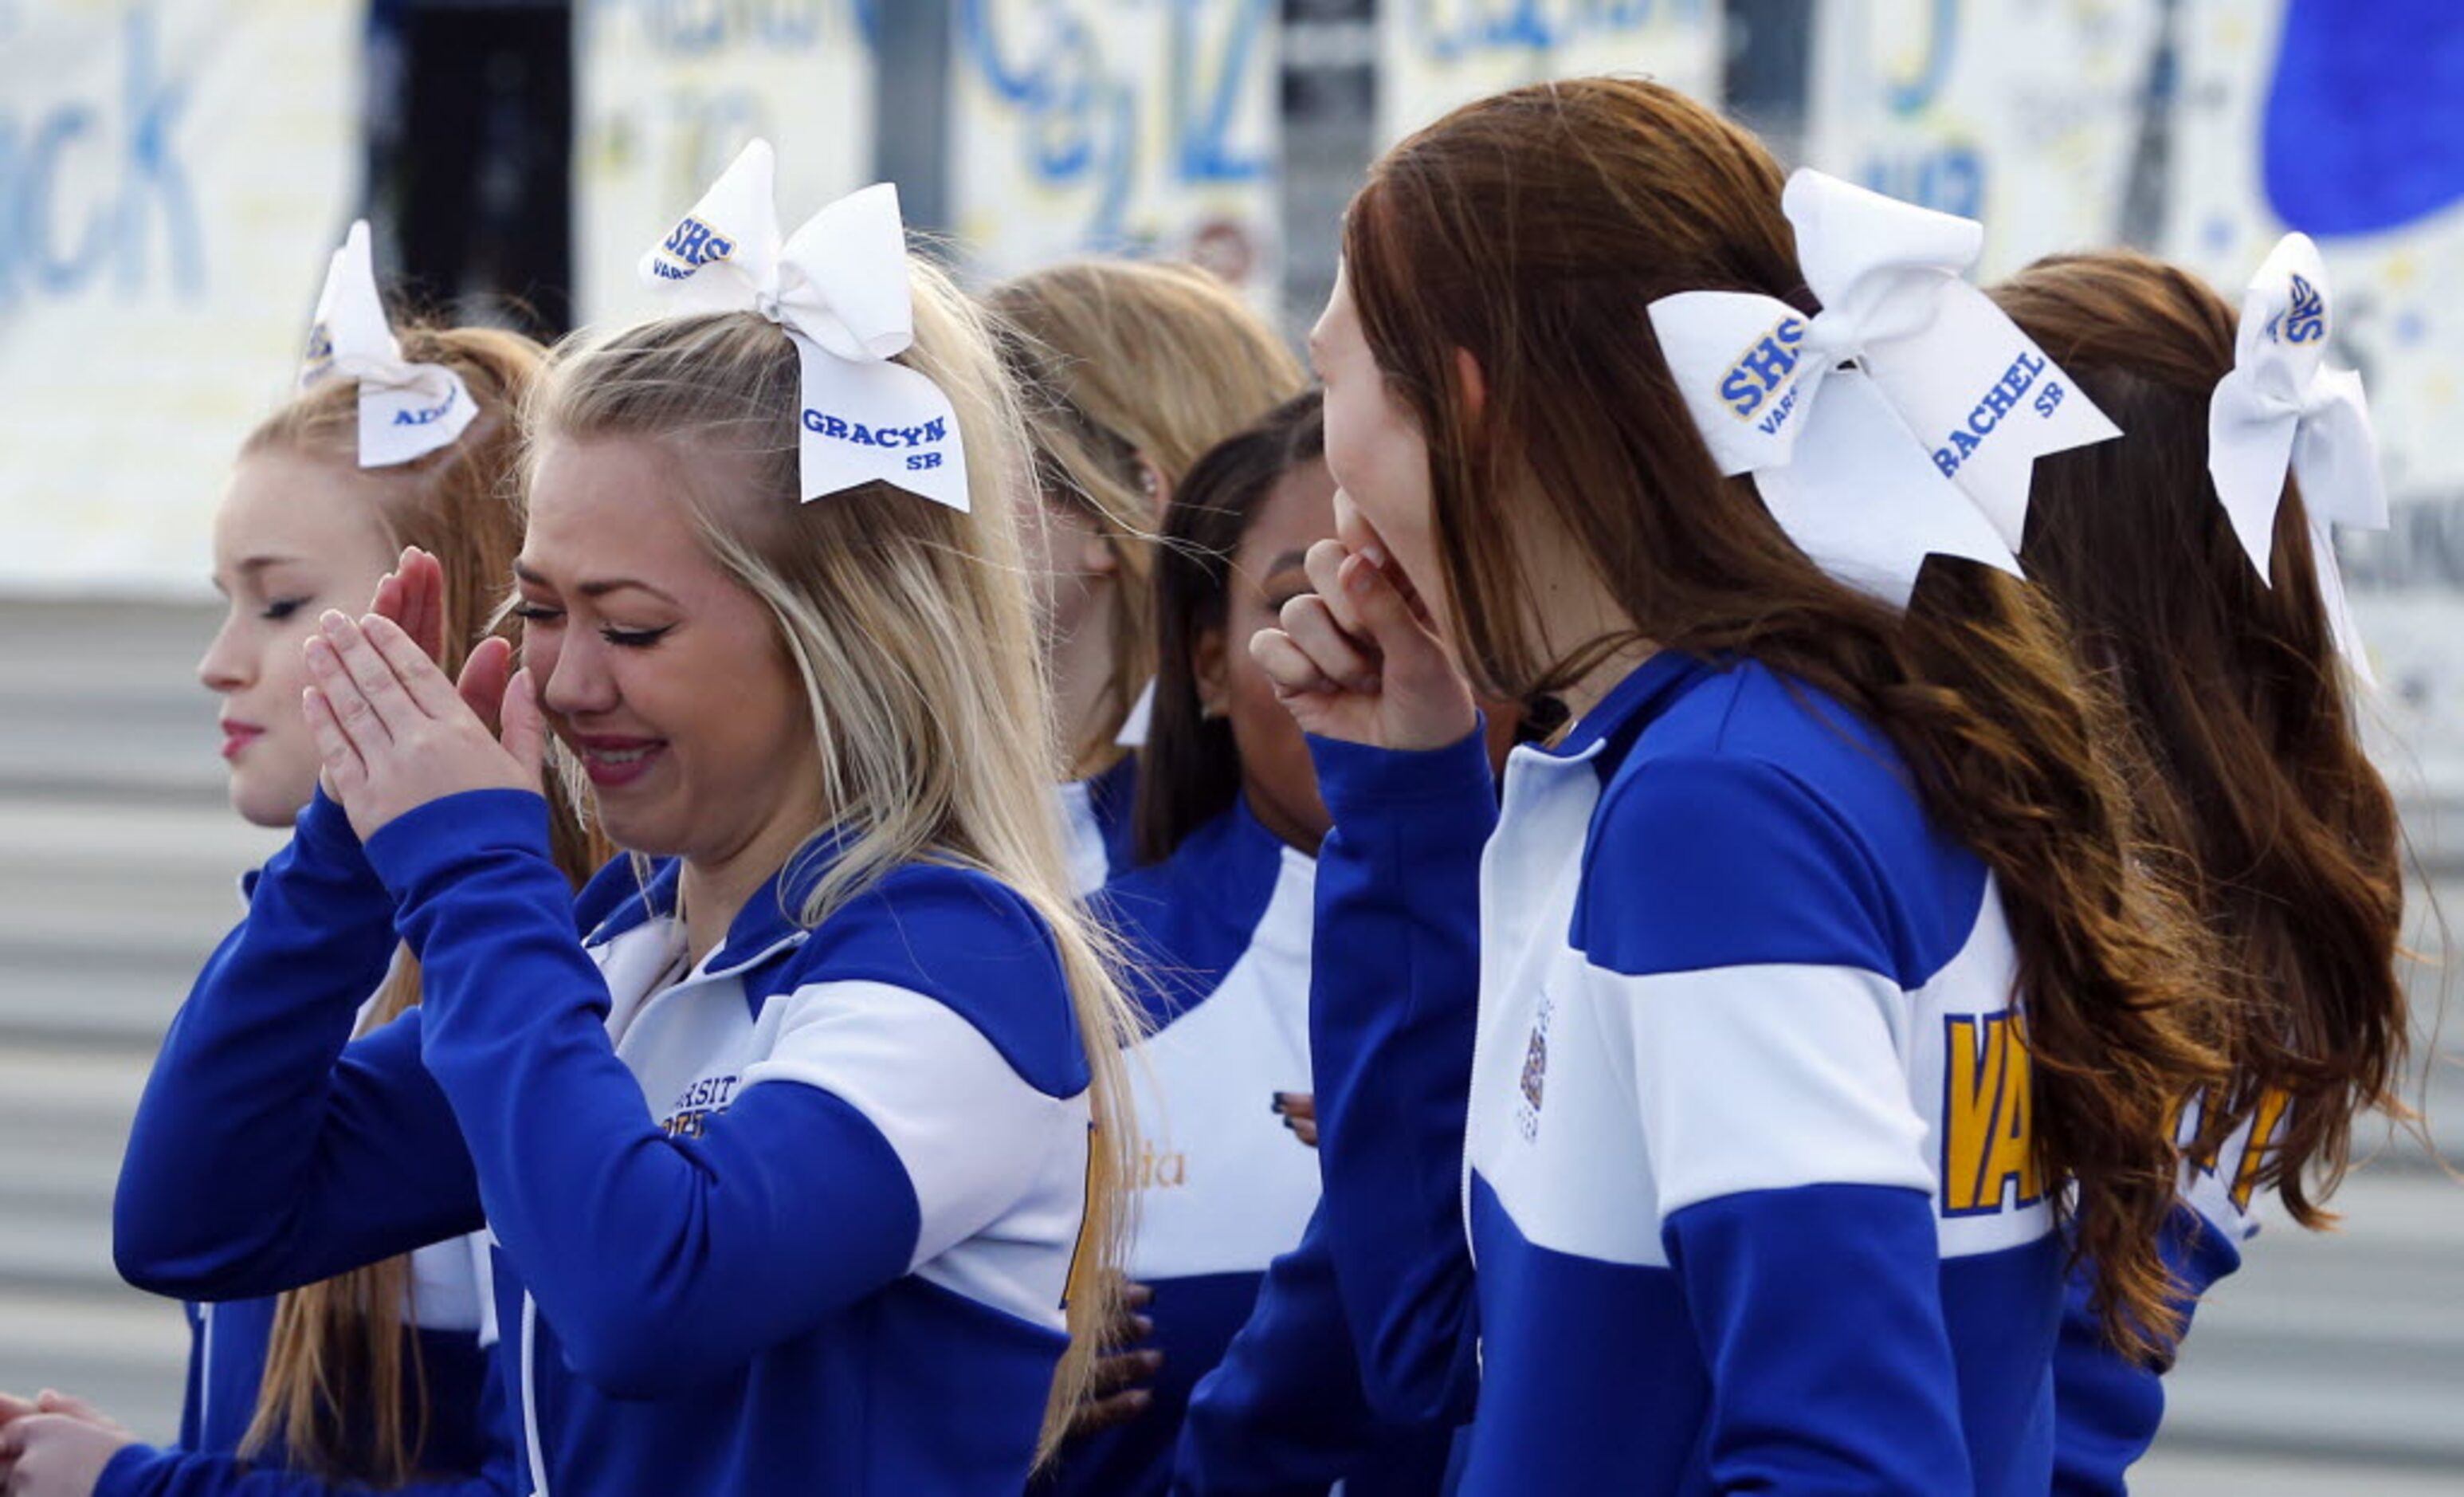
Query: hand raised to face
{"type": "Point", "coordinates": [394, 733]}
{"type": "Point", "coordinates": [1357, 660]}
{"type": "Point", "coordinates": [413, 596]}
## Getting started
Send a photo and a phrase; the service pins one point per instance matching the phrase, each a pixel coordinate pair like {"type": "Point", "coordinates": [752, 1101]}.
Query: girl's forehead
{"type": "Point", "coordinates": [615, 509]}
{"type": "Point", "coordinates": [607, 491]}
{"type": "Point", "coordinates": [299, 507]}
{"type": "Point", "coordinates": [1298, 507]}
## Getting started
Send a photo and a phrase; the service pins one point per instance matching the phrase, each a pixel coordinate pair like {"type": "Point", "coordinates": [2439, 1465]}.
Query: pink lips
{"type": "Point", "coordinates": [613, 762]}
{"type": "Point", "coordinates": [237, 736]}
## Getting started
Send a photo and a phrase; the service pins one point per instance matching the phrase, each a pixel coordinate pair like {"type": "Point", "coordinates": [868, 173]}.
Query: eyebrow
{"type": "Point", "coordinates": [598, 588]}
{"type": "Point", "coordinates": [258, 564]}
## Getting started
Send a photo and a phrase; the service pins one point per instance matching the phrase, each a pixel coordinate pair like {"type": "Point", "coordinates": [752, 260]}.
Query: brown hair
{"type": "Point", "coordinates": [1190, 770]}
{"type": "Point", "coordinates": [1532, 229]}
{"type": "Point", "coordinates": [2260, 796]}
{"type": "Point", "coordinates": [1119, 360]}
{"type": "Point", "coordinates": [345, 1394]}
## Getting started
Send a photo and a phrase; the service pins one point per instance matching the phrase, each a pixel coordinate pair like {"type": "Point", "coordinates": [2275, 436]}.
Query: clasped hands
{"type": "Point", "coordinates": [54, 1446]}
{"type": "Point", "coordinates": [392, 731]}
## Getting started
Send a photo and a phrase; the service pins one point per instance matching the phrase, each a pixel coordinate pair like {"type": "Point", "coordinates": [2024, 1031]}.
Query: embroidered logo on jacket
{"type": "Point", "coordinates": [690, 1115]}
{"type": "Point", "coordinates": [1161, 1169]}
{"type": "Point", "coordinates": [1535, 1073]}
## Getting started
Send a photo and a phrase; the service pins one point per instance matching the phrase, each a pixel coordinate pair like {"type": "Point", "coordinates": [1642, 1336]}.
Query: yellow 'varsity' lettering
{"type": "Point", "coordinates": [1988, 1117]}
{"type": "Point", "coordinates": [1079, 1262]}
{"type": "Point", "coordinates": [2264, 1123]}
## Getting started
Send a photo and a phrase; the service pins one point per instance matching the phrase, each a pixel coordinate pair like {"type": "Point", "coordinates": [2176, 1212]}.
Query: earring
{"type": "Point", "coordinates": [1212, 712]}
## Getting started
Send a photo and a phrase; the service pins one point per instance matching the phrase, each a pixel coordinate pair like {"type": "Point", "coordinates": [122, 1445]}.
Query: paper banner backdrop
{"type": "Point", "coordinates": [2022, 116]}
{"type": "Point", "coordinates": [174, 180]}
{"type": "Point", "coordinates": [1433, 54]}
{"type": "Point", "coordinates": [2067, 125]}
{"type": "Point", "coordinates": [666, 95]}
{"type": "Point", "coordinates": [1098, 125]}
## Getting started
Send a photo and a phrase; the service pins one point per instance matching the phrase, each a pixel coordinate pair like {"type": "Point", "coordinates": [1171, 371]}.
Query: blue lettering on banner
{"type": "Point", "coordinates": [1914, 95]}
{"type": "Point", "coordinates": [1949, 179]}
{"type": "Point", "coordinates": [2000, 399]}
{"type": "Point", "coordinates": [1078, 104]}
{"type": "Point", "coordinates": [698, 28]}
{"type": "Point", "coordinates": [72, 147]}
{"type": "Point", "coordinates": [2304, 319]}
{"type": "Point", "coordinates": [1762, 368]}
{"type": "Point", "coordinates": [918, 462]}
{"type": "Point", "coordinates": [1206, 151]}
{"type": "Point", "coordinates": [1466, 30]}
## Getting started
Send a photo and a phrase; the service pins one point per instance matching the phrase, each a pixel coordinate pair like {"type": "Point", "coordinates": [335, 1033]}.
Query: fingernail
{"type": "Point", "coordinates": [1376, 556]}
{"type": "Point", "coordinates": [1355, 578]}
{"type": "Point", "coordinates": [333, 621]}
{"type": "Point", "coordinates": [1144, 1325]}
{"type": "Point", "coordinates": [1283, 1100]}
{"type": "Point", "coordinates": [1151, 1361]}
{"type": "Point", "coordinates": [1292, 1124]}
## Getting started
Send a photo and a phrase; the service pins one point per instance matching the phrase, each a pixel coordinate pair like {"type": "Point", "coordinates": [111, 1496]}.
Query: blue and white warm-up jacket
{"type": "Point", "coordinates": [1217, 937]}
{"type": "Point", "coordinates": [1747, 1170]}
{"type": "Point", "coordinates": [466, 1442]}
{"type": "Point", "coordinates": [2108, 1406]}
{"type": "Point", "coordinates": [798, 1218]}
{"type": "Point", "coordinates": [1284, 1414]}
{"type": "Point", "coordinates": [1097, 814]}
{"type": "Point", "coordinates": [465, 1428]}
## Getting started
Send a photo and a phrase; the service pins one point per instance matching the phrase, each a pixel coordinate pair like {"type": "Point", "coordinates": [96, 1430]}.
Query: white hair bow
{"type": "Point", "coordinates": [838, 287]}
{"type": "Point", "coordinates": [1927, 444]}
{"type": "Point", "coordinates": [407, 410]}
{"type": "Point", "coordinates": [2283, 408]}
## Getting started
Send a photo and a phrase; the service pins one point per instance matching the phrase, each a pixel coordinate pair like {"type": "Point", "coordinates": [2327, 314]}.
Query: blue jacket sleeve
{"type": "Point", "coordinates": [1394, 998]}
{"type": "Point", "coordinates": [658, 1260]}
{"type": "Point", "coordinates": [2107, 1405]}
{"type": "Point", "coordinates": [152, 1471]}
{"type": "Point", "coordinates": [147, 1471]}
{"type": "Point", "coordinates": [1284, 1414]}
{"type": "Point", "coordinates": [1824, 1340]}
{"type": "Point", "coordinates": [269, 1151]}
{"type": "Point", "coordinates": [1794, 1188]}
